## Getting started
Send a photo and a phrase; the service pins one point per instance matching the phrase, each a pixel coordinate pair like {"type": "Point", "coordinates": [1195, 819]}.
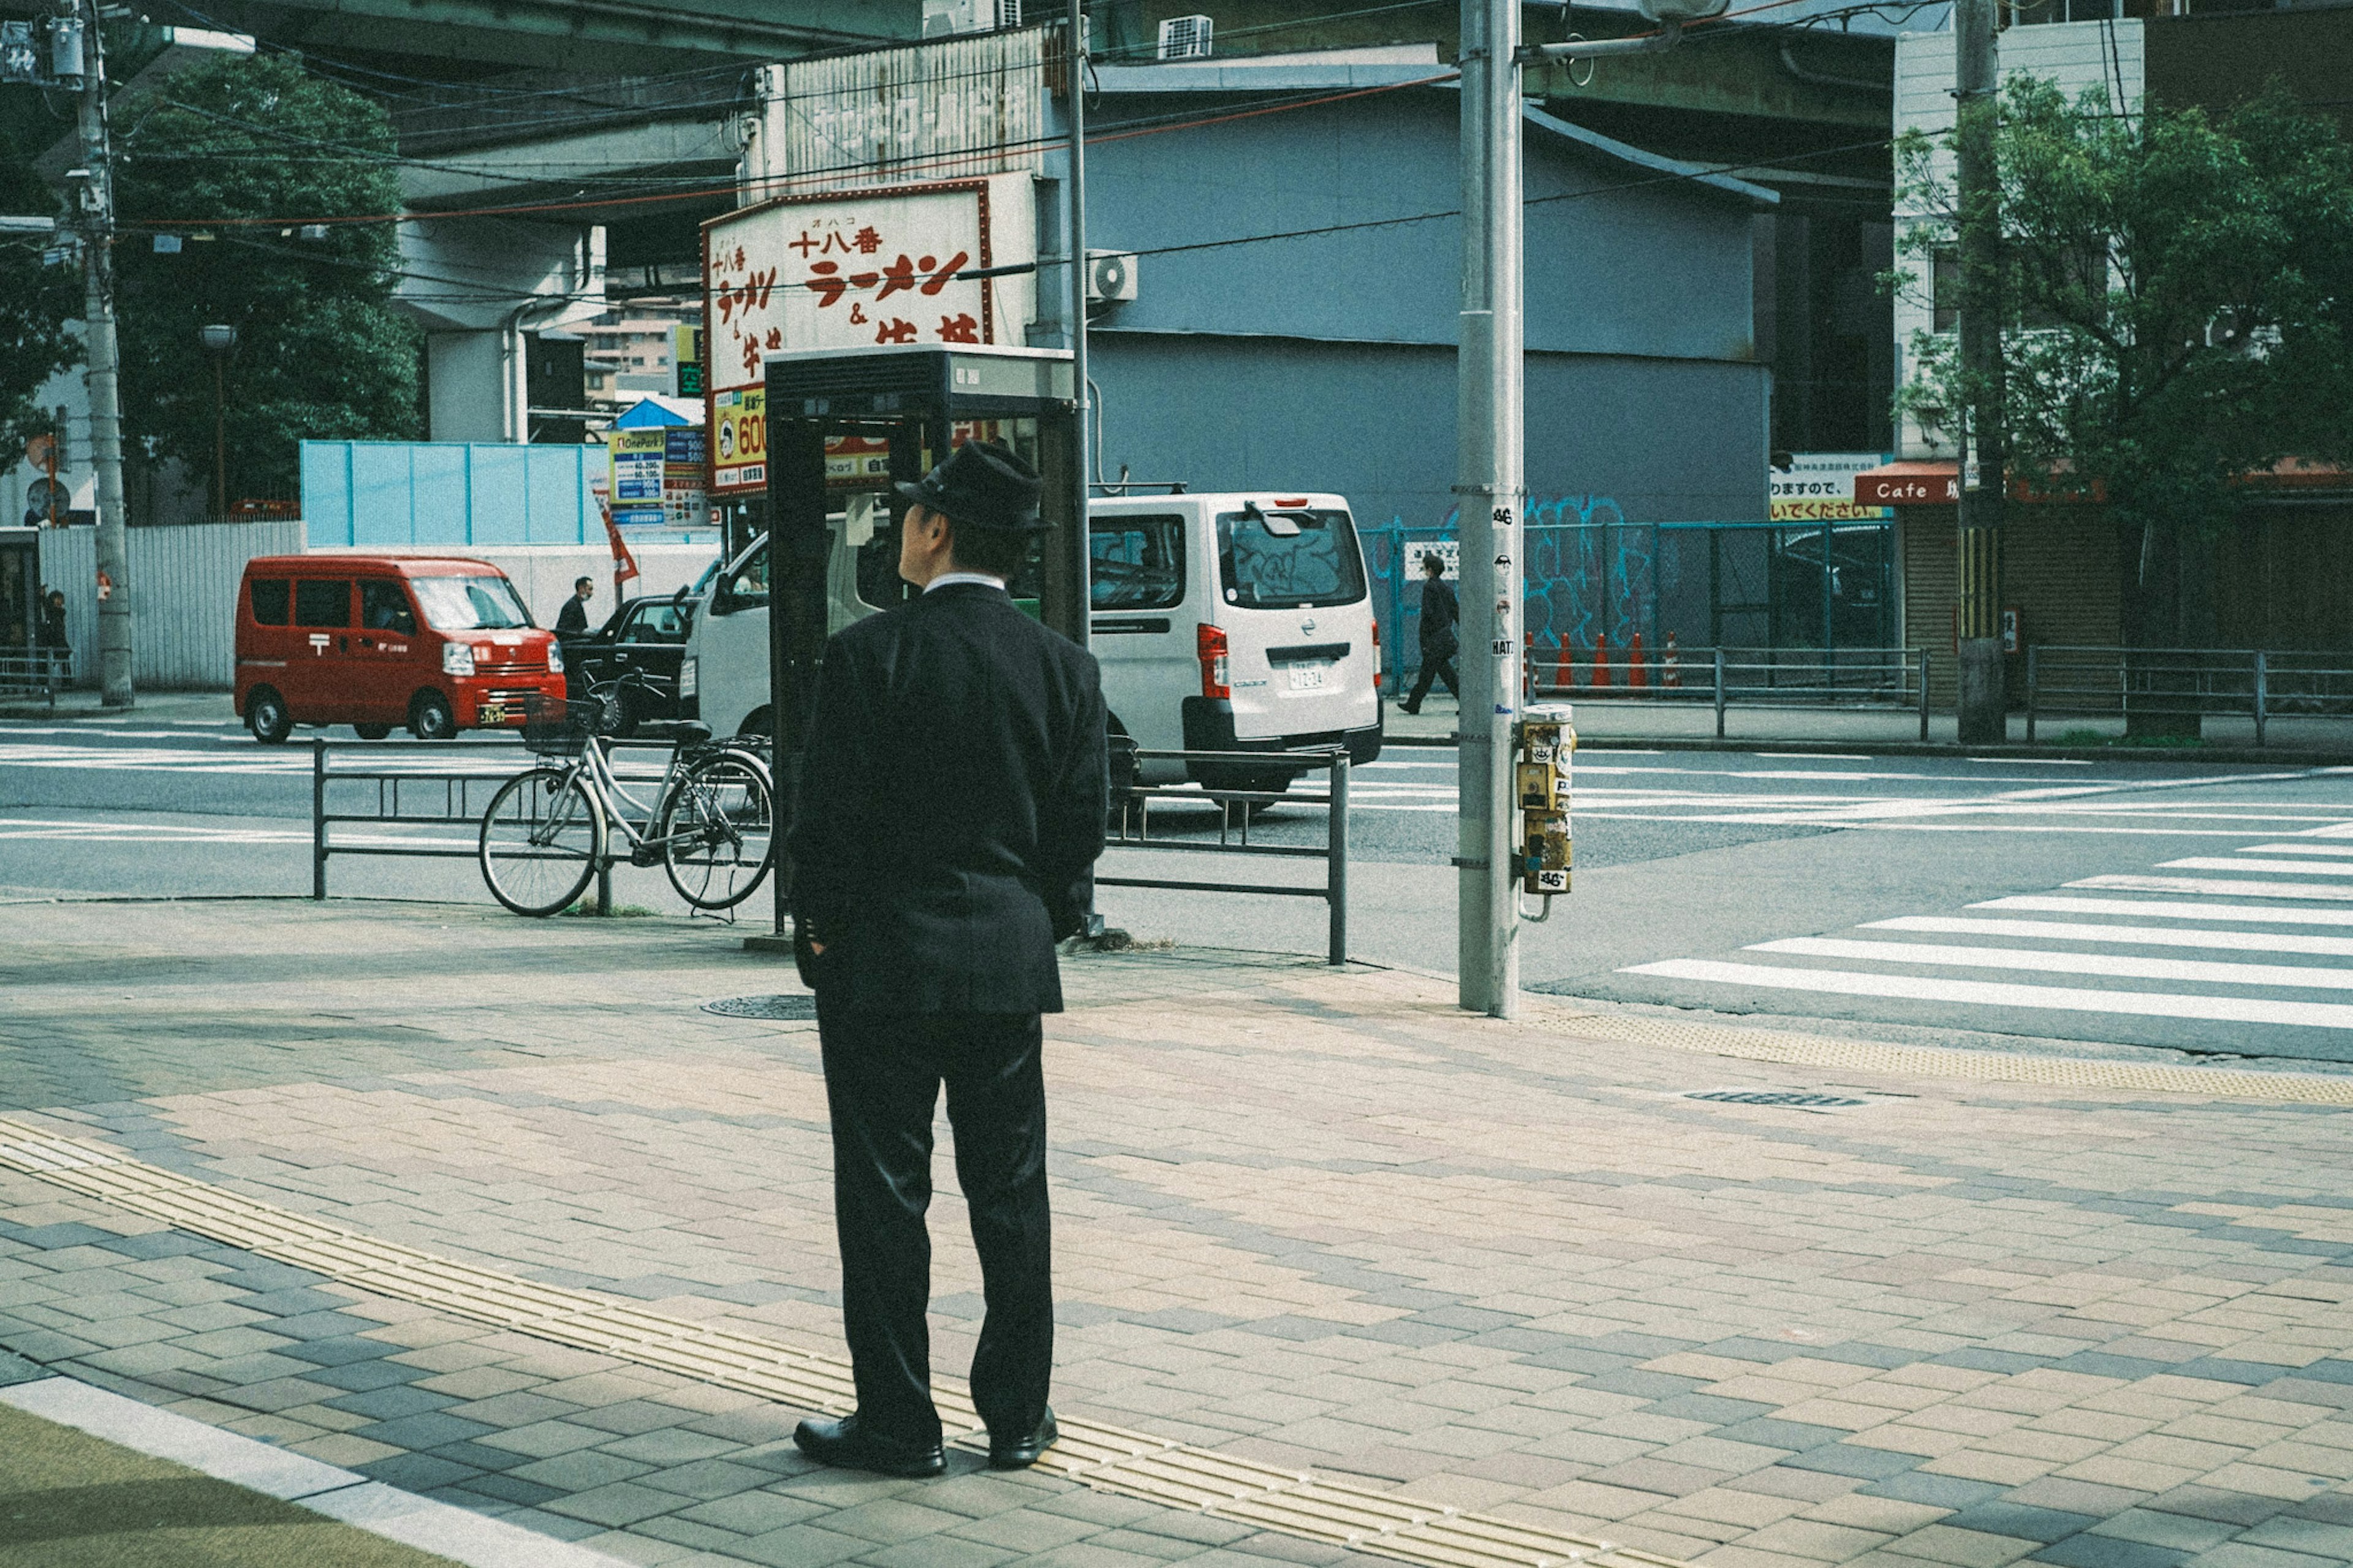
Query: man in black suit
{"type": "Point", "coordinates": [572, 621]}
{"type": "Point", "coordinates": [1438, 616]}
{"type": "Point", "coordinates": [952, 809]}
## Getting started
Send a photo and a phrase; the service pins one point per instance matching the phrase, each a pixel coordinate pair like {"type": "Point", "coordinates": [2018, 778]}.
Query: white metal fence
{"type": "Point", "coordinates": [182, 591]}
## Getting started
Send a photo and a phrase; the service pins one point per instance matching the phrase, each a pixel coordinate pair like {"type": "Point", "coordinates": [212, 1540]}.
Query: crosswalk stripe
{"type": "Point", "coordinates": [1995, 993]}
{"type": "Point", "coordinates": [1946, 955]}
{"type": "Point", "coordinates": [2242, 863]}
{"type": "Point", "coordinates": [2212, 889]}
{"type": "Point", "coordinates": [2303, 847]}
{"type": "Point", "coordinates": [2150, 908]}
{"type": "Point", "coordinates": [2141, 936]}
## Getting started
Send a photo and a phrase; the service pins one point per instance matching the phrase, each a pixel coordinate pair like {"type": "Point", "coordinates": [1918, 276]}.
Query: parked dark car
{"type": "Point", "coordinates": [646, 640]}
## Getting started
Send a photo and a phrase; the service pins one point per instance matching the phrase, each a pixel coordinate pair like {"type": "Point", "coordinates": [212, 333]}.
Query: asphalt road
{"type": "Point", "coordinates": [2205, 909]}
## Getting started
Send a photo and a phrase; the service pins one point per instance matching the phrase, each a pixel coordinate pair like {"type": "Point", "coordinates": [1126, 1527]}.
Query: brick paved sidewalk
{"type": "Point", "coordinates": [1310, 1219]}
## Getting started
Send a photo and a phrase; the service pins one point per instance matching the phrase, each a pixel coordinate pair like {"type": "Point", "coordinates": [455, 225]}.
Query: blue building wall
{"type": "Point", "coordinates": [1657, 269]}
{"type": "Point", "coordinates": [1327, 362]}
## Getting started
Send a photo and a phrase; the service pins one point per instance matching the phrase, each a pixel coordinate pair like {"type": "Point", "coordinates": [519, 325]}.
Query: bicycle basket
{"type": "Point", "coordinates": [556, 727]}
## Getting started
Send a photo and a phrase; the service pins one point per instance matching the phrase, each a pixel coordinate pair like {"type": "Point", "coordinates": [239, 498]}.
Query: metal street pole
{"type": "Point", "coordinates": [1080, 389]}
{"type": "Point", "coordinates": [1489, 489]}
{"type": "Point", "coordinates": [96, 219]}
{"type": "Point", "coordinates": [1981, 710]}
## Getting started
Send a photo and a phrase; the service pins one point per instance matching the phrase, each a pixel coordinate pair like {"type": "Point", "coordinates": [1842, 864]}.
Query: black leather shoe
{"type": "Point", "coordinates": [1021, 1453]}
{"type": "Point", "coordinates": [846, 1446]}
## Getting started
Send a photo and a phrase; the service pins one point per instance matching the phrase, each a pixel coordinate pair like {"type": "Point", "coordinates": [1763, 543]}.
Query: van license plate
{"type": "Point", "coordinates": [1308, 677]}
{"type": "Point", "coordinates": [491, 713]}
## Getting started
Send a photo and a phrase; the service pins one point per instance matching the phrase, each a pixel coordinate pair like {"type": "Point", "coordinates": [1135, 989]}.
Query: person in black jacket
{"type": "Point", "coordinates": [572, 621]}
{"type": "Point", "coordinates": [952, 810]}
{"type": "Point", "coordinates": [1439, 615]}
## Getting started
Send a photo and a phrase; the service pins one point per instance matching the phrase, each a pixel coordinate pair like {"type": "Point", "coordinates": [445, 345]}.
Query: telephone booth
{"type": "Point", "coordinates": [20, 586]}
{"type": "Point", "coordinates": [844, 427]}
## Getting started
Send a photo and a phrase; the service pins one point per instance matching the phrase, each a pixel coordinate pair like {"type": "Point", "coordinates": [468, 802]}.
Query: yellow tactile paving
{"type": "Point", "coordinates": [1177, 1475]}
{"type": "Point", "coordinates": [1936, 1061]}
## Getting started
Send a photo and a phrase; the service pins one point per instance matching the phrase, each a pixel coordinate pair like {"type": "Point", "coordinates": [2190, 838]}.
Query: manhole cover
{"type": "Point", "coordinates": [1776, 1097]}
{"type": "Point", "coordinates": [763, 1006]}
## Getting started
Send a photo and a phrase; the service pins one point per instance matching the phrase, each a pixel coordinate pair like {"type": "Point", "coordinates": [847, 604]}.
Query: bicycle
{"type": "Point", "coordinates": [711, 824]}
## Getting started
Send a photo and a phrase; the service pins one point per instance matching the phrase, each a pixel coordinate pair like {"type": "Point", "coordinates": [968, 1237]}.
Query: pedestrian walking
{"type": "Point", "coordinates": [951, 813]}
{"type": "Point", "coordinates": [1440, 615]}
{"type": "Point", "coordinates": [49, 636]}
{"type": "Point", "coordinates": [572, 621]}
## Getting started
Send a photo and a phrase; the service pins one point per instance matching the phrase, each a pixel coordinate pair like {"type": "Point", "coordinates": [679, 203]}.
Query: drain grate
{"type": "Point", "coordinates": [763, 1006]}
{"type": "Point", "coordinates": [1792, 1097]}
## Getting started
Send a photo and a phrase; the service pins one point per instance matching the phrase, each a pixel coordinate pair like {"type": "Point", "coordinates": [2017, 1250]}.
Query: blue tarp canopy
{"type": "Point", "coordinates": [654, 413]}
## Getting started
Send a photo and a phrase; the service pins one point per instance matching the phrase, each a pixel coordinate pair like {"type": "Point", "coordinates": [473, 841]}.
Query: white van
{"type": "Point", "coordinates": [1235, 622]}
{"type": "Point", "coordinates": [1224, 622]}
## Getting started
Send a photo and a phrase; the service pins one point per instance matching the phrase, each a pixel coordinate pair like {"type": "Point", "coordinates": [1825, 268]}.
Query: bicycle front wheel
{"type": "Point", "coordinates": [543, 839]}
{"type": "Point", "coordinates": [718, 831]}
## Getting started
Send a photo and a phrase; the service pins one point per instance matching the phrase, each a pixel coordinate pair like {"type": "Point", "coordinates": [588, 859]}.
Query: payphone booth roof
{"type": "Point", "coordinates": [962, 380]}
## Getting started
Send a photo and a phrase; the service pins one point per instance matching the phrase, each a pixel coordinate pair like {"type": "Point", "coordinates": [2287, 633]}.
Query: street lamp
{"type": "Point", "coordinates": [220, 341]}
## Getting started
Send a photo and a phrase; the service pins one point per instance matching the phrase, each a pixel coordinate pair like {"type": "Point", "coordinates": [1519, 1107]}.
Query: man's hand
{"type": "Point", "coordinates": [817, 947]}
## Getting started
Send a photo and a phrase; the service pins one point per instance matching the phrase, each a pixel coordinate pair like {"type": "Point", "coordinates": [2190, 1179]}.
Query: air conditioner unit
{"type": "Point", "coordinates": [1186, 38]}
{"type": "Point", "coordinates": [1111, 276]}
{"type": "Point", "coordinates": [945, 18]}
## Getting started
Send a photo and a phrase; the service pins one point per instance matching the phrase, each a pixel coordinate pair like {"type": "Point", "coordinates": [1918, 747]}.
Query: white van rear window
{"type": "Point", "coordinates": [470, 603]}
{"type": "Point", "coordinates": [1289, 560]}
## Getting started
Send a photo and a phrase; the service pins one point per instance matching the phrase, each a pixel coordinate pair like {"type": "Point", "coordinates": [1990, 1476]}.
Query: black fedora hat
{"type": "Point", "coordinates": [982, 485]}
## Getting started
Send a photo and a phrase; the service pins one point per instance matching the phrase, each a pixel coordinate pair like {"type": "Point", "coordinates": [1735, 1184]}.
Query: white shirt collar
{"type": "Point", "coordinates": [946, 578]}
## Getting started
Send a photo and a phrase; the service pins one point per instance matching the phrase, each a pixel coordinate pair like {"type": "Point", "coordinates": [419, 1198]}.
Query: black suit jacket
{"type": "Point", "coordinates": [951, 807]}
{"type": "Point", "coordinates": [1439, 615]}
{"type": "Point", "coordinates": [572, 621]}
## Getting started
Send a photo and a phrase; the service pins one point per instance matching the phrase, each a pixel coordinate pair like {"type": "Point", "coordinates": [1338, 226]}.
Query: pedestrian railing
{"type": "Point", "coordinates": [425, 799]}
{"type": "Point", "coordinates": [1860, 678]}
{"type": "Point", "coordinates": [1131, 825]}
{"type": "Point", "coordinates": [35, 672]}
{"type": "Point", "coordinates": [2187, 684]}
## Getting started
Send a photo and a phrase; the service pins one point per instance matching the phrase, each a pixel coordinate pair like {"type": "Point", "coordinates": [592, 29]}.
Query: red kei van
{"type": "Point", "coordinates": [372, 641]}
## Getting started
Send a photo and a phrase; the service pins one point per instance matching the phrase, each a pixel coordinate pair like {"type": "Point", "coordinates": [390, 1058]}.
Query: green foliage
{"type": "Point", "coordinates": [36, 302]}
{"type": "Point", "coordinates": [2181, 303]}
{"type": "Point", "coordinates": [321, 352]}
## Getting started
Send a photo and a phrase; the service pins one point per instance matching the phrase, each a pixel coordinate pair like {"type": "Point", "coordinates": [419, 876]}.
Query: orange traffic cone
{"type": "Point", "coordinates": [1638, 674]}
{"type": "Point", "coordinates": [1671, 666]}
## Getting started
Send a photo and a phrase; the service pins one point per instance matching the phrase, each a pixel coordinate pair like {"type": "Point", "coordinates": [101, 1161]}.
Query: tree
{"type": "Point", "coordinates": [40, 298]}
{"type": "Point", "coordinates": [2181, 290]}
{"type": "Point", "coordinates": [321, 352]}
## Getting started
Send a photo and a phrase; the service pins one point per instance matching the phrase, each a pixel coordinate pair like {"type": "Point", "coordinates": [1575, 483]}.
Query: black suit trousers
{"type": "Point", "coordinates": [882, 1075]}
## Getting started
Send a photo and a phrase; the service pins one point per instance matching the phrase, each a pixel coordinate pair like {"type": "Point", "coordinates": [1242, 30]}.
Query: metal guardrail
{"type": "Point", "coordinates": [1867, 677]}
{"type": "Point", "coordinates": [2261, 684]}
{"type": "Point", "coordinates": [421, 785]}
{"type": "Point", "coordinates": [35, 672]}
{"type": "Point", "coordinates": [1133, 804]}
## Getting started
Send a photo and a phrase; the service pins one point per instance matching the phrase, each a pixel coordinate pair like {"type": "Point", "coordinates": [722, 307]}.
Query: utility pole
{"type": "Point", "coordinates": [1491, 483]}
{"type": "Point", "coordinates": [95, 216]}
{"type": "Point", "coordinates": [1489, 489]}
{"type": "Point", "coordinates": [1082, 391]}
{"type": "Point", "coordinates": [1983, 703]}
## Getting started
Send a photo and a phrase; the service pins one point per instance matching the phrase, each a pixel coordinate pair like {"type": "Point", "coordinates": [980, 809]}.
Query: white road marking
{"type": "Point", "coordinates": [2140, 936]}
{"type": "Point", "coordinates": [2306, 848]}
{"type": "Point", "coordinates": [1993, 993]}
{"type": "Point", "coordinates": [2293, 868]}
{"type": "Point", "coordinates": [1947, 956]}
{"type": "Point", "coordinates": [2214, 888]}
{"type": "Point", "coordinates": [2051, 904]}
